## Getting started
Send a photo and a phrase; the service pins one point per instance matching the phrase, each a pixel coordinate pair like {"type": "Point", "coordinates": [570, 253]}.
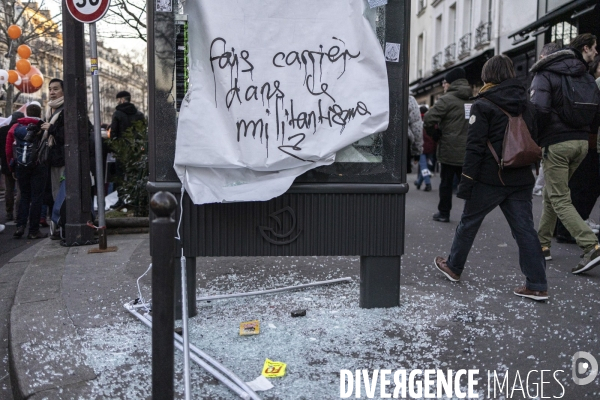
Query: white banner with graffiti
{"type": "Point", "coordinates": [276, 88]}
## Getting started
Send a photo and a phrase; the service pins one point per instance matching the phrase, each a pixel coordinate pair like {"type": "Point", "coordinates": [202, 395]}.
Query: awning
{"type": "Point", "coordinates": [436, 79]}
{"type": "Point", "coordinates": [555, 16]}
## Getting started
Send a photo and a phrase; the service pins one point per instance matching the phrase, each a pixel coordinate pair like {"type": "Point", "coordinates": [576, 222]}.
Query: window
{"type": "Point", "coordinates": [421, 4]}
{"type": "Point", "coordinates": [468, 16]}
{"type": "Point", "coordinates": [452, 24]}
{"type": "Point", "coordinates": [438, 33]}
{"type": "Point", "coordinates": [563, 33]}
{"type": "Point", "coordinates": [420, 54]}
{"type": "Point", "coordinates": [486, 11]}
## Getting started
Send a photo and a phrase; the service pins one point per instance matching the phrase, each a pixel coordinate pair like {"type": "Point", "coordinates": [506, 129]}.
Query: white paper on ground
{"type": "Point", "coordinates": [276, 89]}
{"type": "Point", "coordinates": [260, 384]}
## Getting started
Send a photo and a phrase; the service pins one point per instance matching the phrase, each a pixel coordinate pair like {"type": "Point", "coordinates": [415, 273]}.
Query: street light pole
{"type": "Point", "coordinates": [102, 240]}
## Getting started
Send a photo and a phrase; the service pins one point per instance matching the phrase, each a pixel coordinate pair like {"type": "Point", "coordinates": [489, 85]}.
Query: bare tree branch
{"type": "Point", "coordinates": [132, 13]}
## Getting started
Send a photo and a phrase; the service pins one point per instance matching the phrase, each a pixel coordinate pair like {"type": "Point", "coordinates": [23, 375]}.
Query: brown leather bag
{"type": "Point", "coordinates": [518, 148]}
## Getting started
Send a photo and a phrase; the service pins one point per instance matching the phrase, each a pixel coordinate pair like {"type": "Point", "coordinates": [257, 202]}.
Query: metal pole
{"type": "Point", "coordinates": [162, 241]}
{"type": "Point", "coordinates": [97, 137]}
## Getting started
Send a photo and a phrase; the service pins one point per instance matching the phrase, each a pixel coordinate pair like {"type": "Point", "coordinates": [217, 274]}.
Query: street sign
{"type": "Point", "coordinates": [88, 11]}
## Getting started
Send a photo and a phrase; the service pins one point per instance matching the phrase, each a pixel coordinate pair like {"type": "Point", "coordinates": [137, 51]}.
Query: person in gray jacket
{"type": "Point", "coordinates": [450, 115]}
{"type": "Point", "coordinates": [415, 127]}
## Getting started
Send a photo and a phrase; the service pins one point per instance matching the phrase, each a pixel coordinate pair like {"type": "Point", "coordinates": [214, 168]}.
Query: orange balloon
{"type": "Point", "coordinates": [14, 32]}
{"type": "Point", "coordinates": [26, 86]}
{"type": "Point", "coordinates": [12, 76]}
{"type": "Point", "coordinates": [36, 80]}
{"type": "Point", "coordinates": [24, 51]}
{"type": "Point", "coordinates": [23, 66]}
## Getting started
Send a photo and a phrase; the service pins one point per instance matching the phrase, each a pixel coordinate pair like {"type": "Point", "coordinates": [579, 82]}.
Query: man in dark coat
{"type": "Point", "coordinates": [564, 146]}
{"type": "Point", "coordinates": [9, 181]}
{"type": "Point", "coordinates": [124, 116]}
{"type": "Point", "coordinates": [448, 113]}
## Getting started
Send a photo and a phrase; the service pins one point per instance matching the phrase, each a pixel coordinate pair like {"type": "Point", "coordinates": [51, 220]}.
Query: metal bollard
{"type": "Point", "coordinates": [162, 242]}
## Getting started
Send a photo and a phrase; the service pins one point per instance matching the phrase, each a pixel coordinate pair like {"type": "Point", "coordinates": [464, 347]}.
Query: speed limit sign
{"type": "Point", "coordinates": [88, 11]}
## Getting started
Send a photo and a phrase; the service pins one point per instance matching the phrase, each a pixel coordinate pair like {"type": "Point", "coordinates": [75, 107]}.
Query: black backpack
{"type": "Point", "coordinates": [581, 100]}
{"type": "Point", "coordinates": [26, 145]}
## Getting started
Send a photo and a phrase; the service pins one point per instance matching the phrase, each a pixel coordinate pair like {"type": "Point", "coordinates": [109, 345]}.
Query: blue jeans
{"type": "Point", "coordinates": [515, 203]}
{"type": "Point", "coordinates": [32, 183]}
{"type": "Point", "coordinates": [424, 160]}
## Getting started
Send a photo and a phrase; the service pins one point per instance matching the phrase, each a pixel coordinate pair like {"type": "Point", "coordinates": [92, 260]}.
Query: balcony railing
{"type": "Point", "coordinates": [437, 62]}
{"type": "Point", "coordinates": [464, 46]}
{"type": "Point", "coordinates": [450, 54]}
{"type": "Point", "coordinates": [483, 34]}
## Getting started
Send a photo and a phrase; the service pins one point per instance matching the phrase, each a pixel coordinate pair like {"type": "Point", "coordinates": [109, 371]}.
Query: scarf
{"type": "Point", "coordinates": [52, 115]}
{"type": "Point", "coordinates": [487, 86]}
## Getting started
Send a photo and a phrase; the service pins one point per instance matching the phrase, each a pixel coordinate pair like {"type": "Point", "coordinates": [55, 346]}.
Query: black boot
{"type": "Point", "coordinates": [19, 232]}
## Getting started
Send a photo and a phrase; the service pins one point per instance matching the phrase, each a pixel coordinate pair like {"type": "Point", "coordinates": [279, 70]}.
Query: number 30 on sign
{"type": "Point", "coordinates": [88, 11]}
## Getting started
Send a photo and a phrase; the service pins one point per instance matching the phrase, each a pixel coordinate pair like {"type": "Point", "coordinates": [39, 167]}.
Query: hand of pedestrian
{"type": "Point", "coordinates": [465, 188]}
{"type": "Point", "coordinates": [46, 125]}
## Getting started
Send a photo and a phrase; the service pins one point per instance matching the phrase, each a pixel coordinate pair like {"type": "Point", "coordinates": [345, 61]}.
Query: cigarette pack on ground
{"type": "Point", "coordinates": [273, 369]}
{"type": "Point", "coordinates": [250, 328]}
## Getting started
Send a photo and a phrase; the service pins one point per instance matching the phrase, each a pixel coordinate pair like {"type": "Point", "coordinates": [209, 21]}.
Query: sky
{"type": "Point", "coordinates": [103, 29]}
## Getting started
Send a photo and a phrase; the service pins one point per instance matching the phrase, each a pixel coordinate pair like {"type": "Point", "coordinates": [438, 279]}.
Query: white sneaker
{"type": "Point", "coordinates": [537, 192]}
{"type": "Point", "coordinates": [592, 224]}
{"type": "Point", "coordinates": [2, 227]}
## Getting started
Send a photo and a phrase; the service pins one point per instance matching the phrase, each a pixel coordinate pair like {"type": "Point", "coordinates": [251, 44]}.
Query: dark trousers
{"type": "Point", "coordinates": [447, 174]}
{"type": "Point", "coordinates": [515, 203]}
{"type": "Point", "coordinates": [32, 182]}
{"type": "Point", "coordinates": [585, 189]}
{"type": "Point", "coordinates": [9, 194]}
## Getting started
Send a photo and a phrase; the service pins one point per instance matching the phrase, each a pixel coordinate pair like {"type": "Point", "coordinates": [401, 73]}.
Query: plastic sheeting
{"type": "Point", "coordinates": [276, 89]}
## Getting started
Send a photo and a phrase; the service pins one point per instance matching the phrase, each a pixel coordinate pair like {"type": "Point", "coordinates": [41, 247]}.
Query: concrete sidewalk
{"type": "Point", "coordinates": [71, 338]}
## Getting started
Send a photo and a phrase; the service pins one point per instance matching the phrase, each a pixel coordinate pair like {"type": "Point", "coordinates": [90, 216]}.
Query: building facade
{"type": "Point", "coordinates": [118, 72]}
{"type": "Point", "coordinates": [446, 34]}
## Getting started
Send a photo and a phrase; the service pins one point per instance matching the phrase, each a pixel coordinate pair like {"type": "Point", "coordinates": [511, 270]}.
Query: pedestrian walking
{"type": "Point", "coordinates": [484, 186]}
{"type": "Point", "coordinates": [564, 131]}
{"type": "Point", "coordinates": [415, 129]}
{"type": "Point", "coordinates": [124, 116]}
{"type": "Point", "coordinates": [427, 158]}
{"type": "Point", "coordinates": [449, 113]}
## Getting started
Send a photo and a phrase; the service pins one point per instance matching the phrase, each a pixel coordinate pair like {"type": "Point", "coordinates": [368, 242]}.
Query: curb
{"type": "Point", "coordinates": [131, 222]}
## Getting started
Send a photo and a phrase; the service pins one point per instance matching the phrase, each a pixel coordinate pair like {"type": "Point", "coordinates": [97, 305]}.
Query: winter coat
{"type": "Point", "coordinates": [488, 122]}
{"type": "Point", "coordinates": [598, 141]}
{"type": "Point", "coordinates": [449, 114]}
{"type": "Point", "coordinates": [415, 127]}
{"type": "Point", "coordinates": [546, 93]}
{"type": "Point", "coordinates": [125, 115]}
{"type": "Point", "coordinates": [57, 151]}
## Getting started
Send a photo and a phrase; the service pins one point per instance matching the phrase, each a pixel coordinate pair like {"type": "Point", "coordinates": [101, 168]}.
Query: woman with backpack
{"type": "Point", "coordinates": [485, 186]}
{"type": "Point", "coordinates": [31, 175]}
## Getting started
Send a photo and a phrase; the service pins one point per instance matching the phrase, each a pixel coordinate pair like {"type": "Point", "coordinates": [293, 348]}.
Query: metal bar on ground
{"type": "Point", "coordinates": [186, 340]}
{"type": "Point", "coordinates": [284, 289]}
{"type": "Point", "coordinates": [231, 380]}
